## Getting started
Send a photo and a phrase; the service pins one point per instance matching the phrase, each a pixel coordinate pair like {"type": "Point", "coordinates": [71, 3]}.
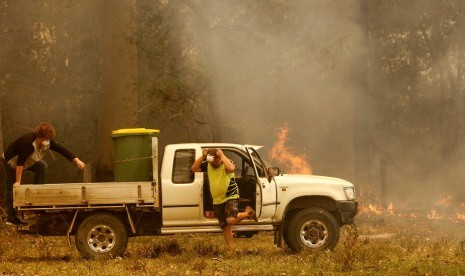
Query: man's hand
{"type": "Point", "coordinates": [79, 163]}
{"type": "Point", "coordinates": [219, 153]}
{"type": "Point", "coordinates": [16, 184]}
{"type": "Point", "coordinates": [228, 165]}
{"type": "Point", "coordinates": [197, 163]}
{"type": "Point", "coordinates": [270, 172]}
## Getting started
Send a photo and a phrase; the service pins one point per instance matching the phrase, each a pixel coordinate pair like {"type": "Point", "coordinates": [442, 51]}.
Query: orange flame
{"type": "Point", "coordinates": [284, 157]}
{"type": "Point", "coordinates": [445, 201]}
{"type": "Point", "coordinates": [458, 216]}
{"type": "Point", "coordinates": [433, 214]}
{"type": "Point", "coordinates": [377, 209]}
{"type": "Point", "coordinates": [444, 208]}
{"type": "Point", "coordinates": [390, 209]}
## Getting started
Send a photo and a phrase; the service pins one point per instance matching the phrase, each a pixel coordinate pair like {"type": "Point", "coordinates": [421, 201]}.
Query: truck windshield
{"type": "Point", "coordinates": [266, 163]}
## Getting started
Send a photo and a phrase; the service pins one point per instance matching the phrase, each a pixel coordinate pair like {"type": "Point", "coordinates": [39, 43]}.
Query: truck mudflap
{"type": "Point", "coordinates": [347, 210]}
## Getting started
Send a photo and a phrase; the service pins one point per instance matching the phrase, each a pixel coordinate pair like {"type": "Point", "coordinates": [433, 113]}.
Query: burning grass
{"type": "Point", "coordinates": [444, 208]}
{"type": "Point", "coordinates": [381, 243]}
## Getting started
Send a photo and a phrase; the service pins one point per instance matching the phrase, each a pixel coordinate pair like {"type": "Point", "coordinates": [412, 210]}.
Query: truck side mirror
{"type": "Point", "coordinates": [273, 171]}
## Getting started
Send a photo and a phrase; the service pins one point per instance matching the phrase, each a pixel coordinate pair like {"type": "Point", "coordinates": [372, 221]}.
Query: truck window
{"type": "Point", "coordinates": [237, 160]}
{"type": "Point", "coordinates": [260, 166]}
{"type": "Point", "coordinates": [183, 160]}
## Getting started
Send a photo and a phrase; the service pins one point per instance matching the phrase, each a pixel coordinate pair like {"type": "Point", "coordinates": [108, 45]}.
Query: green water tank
{"type": "Point", "coordinates": [133, 154]}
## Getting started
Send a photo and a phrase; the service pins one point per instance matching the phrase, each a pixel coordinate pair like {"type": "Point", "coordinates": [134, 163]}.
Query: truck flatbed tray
{"type": "Point", "coordinates": [83, 194]}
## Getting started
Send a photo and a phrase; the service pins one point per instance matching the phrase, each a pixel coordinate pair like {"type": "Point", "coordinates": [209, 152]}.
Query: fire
{"type": "Point", "coordinates": [285, 157]}
{"type": "Point", "coordinates": [433, 214]}
{"type": "Point", "coordinates": [377, 209]}
{"type": "Point", "coordinates": [390, 209]}
{"type": "Point", "coordinates": [444, 201]}
{"type": "Point", "coordinates": [374, 209]}
{"type": "Point", "coordinates": [459, 216]}
{"type": "Point", "coordinates": [443, 209]}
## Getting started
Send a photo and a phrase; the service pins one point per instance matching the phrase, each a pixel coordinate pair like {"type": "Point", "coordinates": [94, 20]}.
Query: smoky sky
{"type": "Point", "coordinates": [270, 64]}
{"type": "Point", "coordinates": [299, 64]}
{"type": "Point", "coordinates": [291, 64]}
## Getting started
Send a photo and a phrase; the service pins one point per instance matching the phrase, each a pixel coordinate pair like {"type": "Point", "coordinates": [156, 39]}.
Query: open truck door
{"type": "Point", "coordinates": [266, 188]}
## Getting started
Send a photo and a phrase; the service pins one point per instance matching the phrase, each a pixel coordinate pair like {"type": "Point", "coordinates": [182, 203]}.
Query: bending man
{"type": "Point", "coordinates": [26, 153]}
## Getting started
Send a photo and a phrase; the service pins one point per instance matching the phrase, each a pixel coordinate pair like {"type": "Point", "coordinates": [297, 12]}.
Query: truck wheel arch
{"type": "Point", "coordinates": [84, 214]}
{"type": "Point", "coordinates": [300, 203]}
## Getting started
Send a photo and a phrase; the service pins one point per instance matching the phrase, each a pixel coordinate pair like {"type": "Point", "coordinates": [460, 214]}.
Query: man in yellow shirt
{"type": "Point", "coordinates": [224, 191]}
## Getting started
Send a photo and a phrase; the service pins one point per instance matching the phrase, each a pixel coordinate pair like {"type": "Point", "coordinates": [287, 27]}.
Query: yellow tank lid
{"type": "Point", "coordinates": [134, 131]}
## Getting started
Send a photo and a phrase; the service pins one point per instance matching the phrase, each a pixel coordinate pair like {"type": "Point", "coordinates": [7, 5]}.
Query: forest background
{"type": "Point", "coordinates": [369, 91]}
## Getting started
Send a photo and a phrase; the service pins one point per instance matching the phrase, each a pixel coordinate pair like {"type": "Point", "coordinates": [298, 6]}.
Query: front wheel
{"type": "Point", "coordinates": [101, 235]}
{"type": "Point", "coordinates": [312, 229]}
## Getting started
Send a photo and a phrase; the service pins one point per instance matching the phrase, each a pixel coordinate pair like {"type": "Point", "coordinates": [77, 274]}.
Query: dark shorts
{"type": "Point", "coordinates": [225, 210]}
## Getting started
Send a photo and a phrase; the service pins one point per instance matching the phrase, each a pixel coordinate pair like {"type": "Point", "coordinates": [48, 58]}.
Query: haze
{"type": "Point", "coordinates": [355, 82]}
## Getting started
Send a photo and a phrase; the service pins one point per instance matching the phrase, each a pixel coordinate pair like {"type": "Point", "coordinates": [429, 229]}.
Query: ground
{"type": "Point", "coordinates": [380, 243]}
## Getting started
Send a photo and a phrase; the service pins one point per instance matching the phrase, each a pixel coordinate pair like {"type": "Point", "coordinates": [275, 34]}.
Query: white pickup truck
{"type": "Point", "coordinates": [304, 211]}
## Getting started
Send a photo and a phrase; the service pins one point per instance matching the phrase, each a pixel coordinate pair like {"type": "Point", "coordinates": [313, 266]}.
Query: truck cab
{"type": "Point", "coordinates": [186, 195]}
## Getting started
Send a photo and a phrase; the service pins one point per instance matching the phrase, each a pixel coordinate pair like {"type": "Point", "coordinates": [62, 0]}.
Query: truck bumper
{"type": "Point", "coordinates": [347, 210]}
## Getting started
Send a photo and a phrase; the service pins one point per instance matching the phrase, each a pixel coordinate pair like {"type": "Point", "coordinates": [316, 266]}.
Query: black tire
{"type": "Point", "coordinates": [249, 234]}
{"type": "Point", "coordinates": [244, 234]}
{"type": "Point", "coordinates": [3, 215]}
{"type": "Point", "coordinates": [101, 235]}
{"type": "Point", "coordinates": [311, 229]}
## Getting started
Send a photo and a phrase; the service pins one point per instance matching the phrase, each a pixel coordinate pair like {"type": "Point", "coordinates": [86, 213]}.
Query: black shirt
{"type": "Point", "coordinates": [23, 148]}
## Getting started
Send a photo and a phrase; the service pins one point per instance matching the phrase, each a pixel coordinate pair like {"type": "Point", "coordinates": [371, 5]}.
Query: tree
{"type": "Point", "coordinates": [119, 98]}
{"type": "Point", "coordinates": [419, 66]}
{"type": "Point", "coordinates": [175, 93]}
{"type": "Point", "coordinates": [362, 116]}
{"type": "Point", "coordinates": [49, 72]}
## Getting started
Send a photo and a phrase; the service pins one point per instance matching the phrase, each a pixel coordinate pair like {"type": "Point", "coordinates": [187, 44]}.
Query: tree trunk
{"type": "Point", "coordinates": [362, 112]}
{"type": "Point", "coordinates": [118, 107]}
{"type": "Point", "coordinates": [1, 131]}
{"type": "Point", "coordinates": [2, 171]}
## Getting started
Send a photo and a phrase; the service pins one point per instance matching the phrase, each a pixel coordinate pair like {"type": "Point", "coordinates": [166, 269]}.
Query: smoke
{"type": "Point", "coordinates": [269, 64]}
{"type": "Point", "coordinates": [420, 126]}
{"type": "Point", "coordinates": [299, 64]}
{"type": "Point", "coordinates": [276, 63]}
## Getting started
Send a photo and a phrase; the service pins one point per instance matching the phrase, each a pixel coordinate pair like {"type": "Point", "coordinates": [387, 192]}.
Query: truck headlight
{"type": "Point", "coordinates": [350, 193]}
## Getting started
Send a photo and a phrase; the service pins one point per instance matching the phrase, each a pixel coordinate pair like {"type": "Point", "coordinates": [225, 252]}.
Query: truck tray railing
{"type": "Point", "coordinates": [83, 195]}
{"type": "Point", "coordinates": [83, 207]}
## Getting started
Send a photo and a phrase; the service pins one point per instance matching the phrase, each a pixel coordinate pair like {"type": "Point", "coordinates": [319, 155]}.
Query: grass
{"type": "Point", "coordinates": [377, 245]}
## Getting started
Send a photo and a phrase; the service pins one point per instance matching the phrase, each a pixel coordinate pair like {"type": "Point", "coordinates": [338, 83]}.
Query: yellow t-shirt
{"type": "Point", "coordinates": [222, 184]}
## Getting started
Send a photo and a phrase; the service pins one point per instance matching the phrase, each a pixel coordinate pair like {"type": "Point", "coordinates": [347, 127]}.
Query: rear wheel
{"type": "Point", "coordinates": [101, 235]}
{"type": "Point", "coordinates": [312, 229]}
{"type": "Point", "coordinates": [3, 215]}
{"type": "Point", "coordinates": [244, 234]}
